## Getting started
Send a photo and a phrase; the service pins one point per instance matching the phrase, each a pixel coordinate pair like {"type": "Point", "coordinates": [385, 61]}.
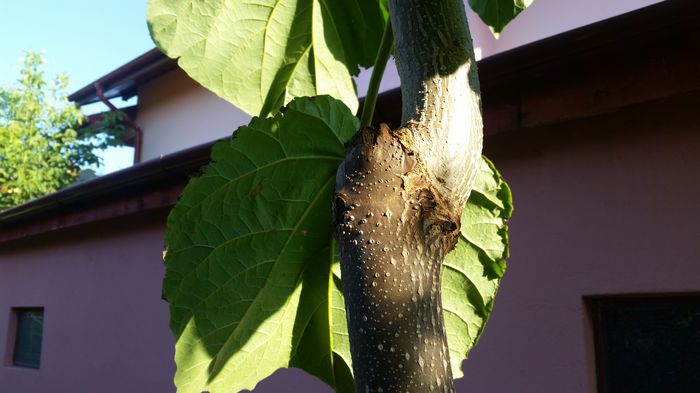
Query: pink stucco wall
{"type": "Point", "coordinates": [602, 207]}
{"type": "Point", "coordinates": [105, 326]}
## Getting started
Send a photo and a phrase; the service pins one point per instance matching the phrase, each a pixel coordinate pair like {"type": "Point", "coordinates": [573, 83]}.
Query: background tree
{"type": "Point", "coordinates": [43, 144]}
{"type": "Point", "coordinates": [253, 278]}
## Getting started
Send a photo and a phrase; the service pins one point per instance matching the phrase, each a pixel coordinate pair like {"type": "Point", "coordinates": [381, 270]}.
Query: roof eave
{"type": "Point", "coordinates": [125, 80]}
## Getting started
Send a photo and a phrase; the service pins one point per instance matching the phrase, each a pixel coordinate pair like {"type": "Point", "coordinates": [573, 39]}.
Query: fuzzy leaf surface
{"type": "Point", "coordinates": [248, 265]}
{"type": "Point", "coordinates": [259, 54]}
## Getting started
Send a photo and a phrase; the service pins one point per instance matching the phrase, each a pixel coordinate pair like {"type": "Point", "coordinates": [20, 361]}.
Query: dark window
{"type": "Point", "coordinates": [30, 322]}
{"type": "Point", "coordinates": [647, 345]}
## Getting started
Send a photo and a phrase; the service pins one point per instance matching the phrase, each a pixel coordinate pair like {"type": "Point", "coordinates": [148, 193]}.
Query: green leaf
{"type": "Point", "coordinates": [324, 349]}
{"type": "Point", "coordinates": [259, 54]}
{"type": "Point", "coordinates": [473, 270]}
{"type": "Point", "coordinates": [498, 13]}
{"type": "Point", "coordinates": [247, 261]}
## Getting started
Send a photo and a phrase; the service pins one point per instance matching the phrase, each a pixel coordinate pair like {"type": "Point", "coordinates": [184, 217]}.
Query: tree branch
{"type": "Point", "coordinates": [440, 92]}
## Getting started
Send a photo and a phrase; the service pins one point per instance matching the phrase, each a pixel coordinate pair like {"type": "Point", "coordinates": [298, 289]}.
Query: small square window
{"type": "Point", "coordinates": [28, 335]}
{"type": "Point", "coordinates": [647, 344]}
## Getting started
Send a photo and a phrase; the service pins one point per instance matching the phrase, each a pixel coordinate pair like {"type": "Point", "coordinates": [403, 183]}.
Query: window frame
{"type": "Point", "coordinates": [592, 304]}
{"type": "Point", "coordinates": [13, 336]}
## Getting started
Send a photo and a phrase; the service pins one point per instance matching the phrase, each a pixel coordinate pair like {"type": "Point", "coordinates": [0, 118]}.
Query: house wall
{"type": "Point", "coordinates": [605, 206]}
{"type": "Point", "coordinates": [105, 325]}
{"type": "Point", "coordinates": [175, 113]}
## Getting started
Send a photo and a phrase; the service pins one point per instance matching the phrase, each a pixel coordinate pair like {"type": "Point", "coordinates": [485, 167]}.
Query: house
{"type": "Point", "coordinates": [597, 131]}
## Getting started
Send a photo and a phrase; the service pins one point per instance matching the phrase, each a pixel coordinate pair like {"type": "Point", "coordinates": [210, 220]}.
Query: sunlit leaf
{"type": "Point", "coordinates": [259, 54]}
{"type": "Point", "coordinates": [473, 270]}
{"type": "Point", "coordinates": [247, 262]}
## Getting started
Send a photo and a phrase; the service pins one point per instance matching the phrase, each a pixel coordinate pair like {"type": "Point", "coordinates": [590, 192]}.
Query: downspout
{"type": "Point", "coordinates": [138, 137]}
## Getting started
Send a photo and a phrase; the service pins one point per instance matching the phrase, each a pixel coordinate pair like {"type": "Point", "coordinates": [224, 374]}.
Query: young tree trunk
{"type": "Point", "coordinates": [399, 195]}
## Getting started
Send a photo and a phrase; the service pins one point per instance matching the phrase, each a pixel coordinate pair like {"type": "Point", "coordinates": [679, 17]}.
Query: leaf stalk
{"type": "Point", "coordinates": [377, 73]}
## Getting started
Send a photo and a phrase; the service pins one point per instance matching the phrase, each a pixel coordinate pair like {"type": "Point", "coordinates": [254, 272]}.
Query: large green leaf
{"type": "Point", "coordinates": [498, 13]}
{"type": "Point", "coordinates": [473, 270]}
{"type": "Point", "coordinates": [248, 262]}
{"type": "Point", "coordinates": [259, 54]}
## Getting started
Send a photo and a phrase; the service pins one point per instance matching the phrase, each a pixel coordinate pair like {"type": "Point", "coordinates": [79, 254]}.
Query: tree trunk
{"type": "Point", "coordinates": [399, 195]}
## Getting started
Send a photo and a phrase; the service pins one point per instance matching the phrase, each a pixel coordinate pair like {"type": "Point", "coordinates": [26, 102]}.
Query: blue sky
{"type": "Point", "coordinates": [82, 38]}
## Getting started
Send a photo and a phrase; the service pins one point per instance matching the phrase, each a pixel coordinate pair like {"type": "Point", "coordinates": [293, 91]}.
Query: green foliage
{"type": "Point", "coordinates": [248, 251]}
{"type": "Point", "coordinates": [42, 147]}
{"type": "Point", "coordinates": [473, 270]}
{"type": "Point", "coordinates": [498, 13]}
{"type": "Point", "coordinates": [259, 54]}
{"type": "Point", "coordinates": [252, 279]}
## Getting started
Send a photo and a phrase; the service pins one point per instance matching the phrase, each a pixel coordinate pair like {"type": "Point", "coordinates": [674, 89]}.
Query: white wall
{"type": "Point", "coordinates": [176, 113]}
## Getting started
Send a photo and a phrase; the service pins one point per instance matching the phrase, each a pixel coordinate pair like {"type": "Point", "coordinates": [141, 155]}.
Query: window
{"type": "Point", "coordinates": [647, 345]}
{"type": "Point", "coordinates": [28, 335]}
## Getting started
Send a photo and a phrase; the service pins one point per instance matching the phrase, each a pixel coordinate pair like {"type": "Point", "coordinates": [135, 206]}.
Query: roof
{"type": "Point", "coordinates": [632, 62]}
{"type": "Point", "coordinates": [125, 80]}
